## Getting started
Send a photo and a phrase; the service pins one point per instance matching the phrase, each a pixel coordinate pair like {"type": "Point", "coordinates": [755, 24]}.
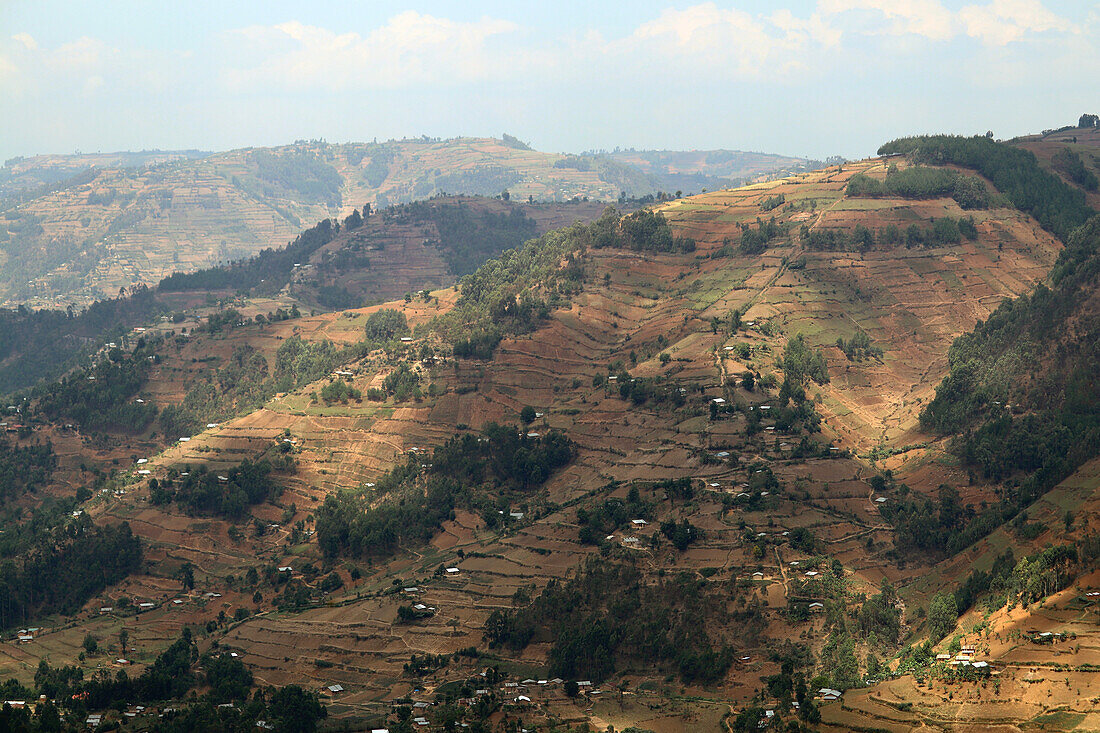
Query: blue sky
{"type": "Point", "coordinates": [814, 78]}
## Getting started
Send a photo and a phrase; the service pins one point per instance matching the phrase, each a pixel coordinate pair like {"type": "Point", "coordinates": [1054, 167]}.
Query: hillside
{"type": "Point", "coordinates": [1072, 153]}
{"type": "Point", "coordinates": [78, 228]}
{"type": "Point", "coordinates": [737, 384]}
{"type": "Point", "coordinates": [328, 266]}
{"type": "Point", "coordinates": [696, 170]}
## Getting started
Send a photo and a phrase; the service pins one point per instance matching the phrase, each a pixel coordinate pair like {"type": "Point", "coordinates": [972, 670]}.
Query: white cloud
{"type": "Point", "coordinates": [928, 18]}
{"type": "Point", "coordinates": [729, 43]}
{"type": "Point", "coordinates": [998, 23]}
{"type": "Point", "coordinates": [92, 85]}
{"type": "Point", "coordinates": [26, 39]}
{"type": "Point", "coordinates": [409, 48]}
{"type": "Point", "coordinates": [1003, 21]}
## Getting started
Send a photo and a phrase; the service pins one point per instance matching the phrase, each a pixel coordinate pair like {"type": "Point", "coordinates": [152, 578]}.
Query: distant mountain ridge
{"type": "Point", "coordinates": [75, 229]}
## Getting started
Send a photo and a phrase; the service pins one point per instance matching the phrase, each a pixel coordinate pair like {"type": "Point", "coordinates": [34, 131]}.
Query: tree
{"type": "Point", "coordinates": [295, 710]}
{"type": "Point", "coordinates": [123, 638]}
{"type": "Point", "coordinates": [90, 644]}
{"type": "Point", "coordinates": [1088, 120]}
{"type": "Point", "coordinates": [527, 415]}
{"type": "Point", "coordinates": [942, 615]}
{"type": "Point", "coordinates": [748, 380]}
{"type": "Point", "coordinates": [187, 576]}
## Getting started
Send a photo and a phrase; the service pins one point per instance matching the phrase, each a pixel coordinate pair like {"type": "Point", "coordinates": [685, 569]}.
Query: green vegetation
{"type": "Point", "coordinates": [63, 565]}
{"type": "Point", "coordinates": [302, 172]}
{"type": "Point", "coordinates": [642, 231]}
{"type": "Point", "coordinates": [103, 397]}
{"type": "Point", "coordinates": [478, 473]}
{"type": "Point", "coordinates": [43, 344]}
{"type": "Point", "coordinates": [802, 362]}
{"type": "Point", "coordinates": [859, 347]}
{"type": "Point", "coordinates": [385, 325]}
{"type": "Point", "coordinates": [469, 237]}
{"type": "Point", "coordinates": [339, 391]}
{"type": "Point", "coordinates": [755, 241]}
{"type": "Point", "coordinates": [1016, 173]}
{"type": "Point", "coordinates": [24, 469]}
{"type": "Point", "coordinates": [1008, 360]}
{"type": "Point", "coordinates": [226, 493]}
{"type": "Point", "coordinates": [920, 182]}
{"type": "Point", "coordinates": [403, 383]}
{"type": "Point", "coordinates": [610, 615]}
{"type": "Point", "coordinates": [1069, 163]}
{"type": "Point", "coordinates": [944, 231]}
{"type": "Point", "coordinates": [511, 295]}
{"type": "Point", "coordinates": [270, 269]}
{"type": "Point", "coordinates": [773, 202]}
{"type": "Point", "coordinates": [611, 514]}
{"type": "Point", "coordinates": [246, 382]}
{"type": "Point", "coordinates": [175, 674]}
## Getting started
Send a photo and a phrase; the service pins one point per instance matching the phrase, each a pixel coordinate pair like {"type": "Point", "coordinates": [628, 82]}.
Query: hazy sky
{"type": "Point", "coordinates": [798, 77]}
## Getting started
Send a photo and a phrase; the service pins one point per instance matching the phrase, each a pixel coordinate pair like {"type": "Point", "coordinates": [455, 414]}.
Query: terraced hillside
{"type": "Point", "coordinates": [332, 265]}
{"type": "Point", "coordinates": [78, 228]}
{"type": "Point", "coordinates": [645, 367]}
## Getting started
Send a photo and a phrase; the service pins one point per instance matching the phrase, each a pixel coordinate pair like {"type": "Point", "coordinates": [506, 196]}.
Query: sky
{"type": "Point", "coordinates": [799, 77]}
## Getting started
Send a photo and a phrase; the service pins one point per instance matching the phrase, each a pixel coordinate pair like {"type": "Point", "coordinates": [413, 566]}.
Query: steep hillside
{"type": "Point", "coordinates": [697, 380]}
{"type": "Point", "coordinates": [1072, 153]}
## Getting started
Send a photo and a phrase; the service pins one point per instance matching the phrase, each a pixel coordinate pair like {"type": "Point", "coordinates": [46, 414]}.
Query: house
{"type": "Point", "coordinates": [817, 607]}
{"type": "Point", "coordinates": [515, 515]}
{"type": "Point", "coordinates": [286, 569]}
{"type": "Point", "coordinates": [452, 571]}
{"type": "Point", "coordinates": [185, 440]}
{"type": "Point", "coordinates": [639, 522]}
{"type": "Point", "coordinates": [719, 401]}
{"type": "Point", "coordinates": [943, 657]}
{"type": "Point", "coordinates": [335, 688]}
{"type": "Point", "coordinates": [406, 339]}
{"type": "Point", "coordinates": [413, 589]}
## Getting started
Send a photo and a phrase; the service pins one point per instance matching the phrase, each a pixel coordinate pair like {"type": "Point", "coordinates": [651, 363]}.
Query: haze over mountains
{"type": "Point", "coordinates": [74, 229]}
{"type": "Point", "coordinates": [829, 438]}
